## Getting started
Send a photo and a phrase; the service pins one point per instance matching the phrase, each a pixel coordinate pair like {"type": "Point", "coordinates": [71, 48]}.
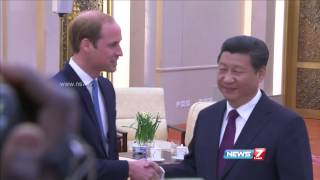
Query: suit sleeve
{"type": "Point", "coordinates": [184, 169]}
{"type": "Point", "coordinates": [187, 167]}
{"type": "Point", "coordinates": [112, 169]}
{"type": "Point", "coordinates": [293, 157]}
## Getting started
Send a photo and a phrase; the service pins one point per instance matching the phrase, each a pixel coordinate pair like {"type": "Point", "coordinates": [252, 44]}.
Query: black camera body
{"type": "Point", "coordinates": [61, 160]}
{"type": "Point", "coordinates": [9, 111]}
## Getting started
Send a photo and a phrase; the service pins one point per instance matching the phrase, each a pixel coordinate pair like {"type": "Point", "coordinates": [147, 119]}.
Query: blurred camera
{"type": "Point", "coordinates": [10, 110]}
{"type": "Point", "coordinates": [73, 159]}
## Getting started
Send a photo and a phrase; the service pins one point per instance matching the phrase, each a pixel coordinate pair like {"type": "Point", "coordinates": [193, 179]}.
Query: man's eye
{"type": "Point", "coordinates": [222, 69]}
{"type": "Point", "coordinates": [237, 71]}
{"type": "Point", "coordinates": [113, 44]}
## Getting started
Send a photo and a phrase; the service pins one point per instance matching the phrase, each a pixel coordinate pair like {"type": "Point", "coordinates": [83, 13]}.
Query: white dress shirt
{"type": "Point", "coordinates": [87, 79]}
{"type": "Point", "coordinates": [244, 112]}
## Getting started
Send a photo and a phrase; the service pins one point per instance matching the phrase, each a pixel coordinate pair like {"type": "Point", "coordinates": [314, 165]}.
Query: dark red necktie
{"type": "Point", "coordinates": [227, 140]}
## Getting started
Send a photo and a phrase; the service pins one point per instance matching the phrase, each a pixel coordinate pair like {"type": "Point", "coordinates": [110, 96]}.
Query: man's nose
{"type": "Point", "coordinates": [119, 52]}
{"type": "Point", "coordinates": [228, 78]}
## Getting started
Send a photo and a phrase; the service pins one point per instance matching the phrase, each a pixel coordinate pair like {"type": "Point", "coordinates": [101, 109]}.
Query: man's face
{"type": "Point", "coordinates": [108, 50]}
{"type": "Point", "coordinates": [237, 79]}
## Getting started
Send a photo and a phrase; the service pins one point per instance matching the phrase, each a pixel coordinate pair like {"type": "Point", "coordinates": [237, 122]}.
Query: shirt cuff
{"type": "Point", "coordinates": [162, 173]}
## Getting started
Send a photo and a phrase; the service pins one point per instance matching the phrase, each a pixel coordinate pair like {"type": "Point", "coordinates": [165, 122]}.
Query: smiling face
{"type": "Point", "coordinates": [105, 54]}
{"type": "Point", "coordinates": [237, 80]}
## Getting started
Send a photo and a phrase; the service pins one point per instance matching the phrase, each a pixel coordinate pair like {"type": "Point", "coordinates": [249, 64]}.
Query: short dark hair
{"type": "Point", "coordinates": [254, 47]}
{"type": "Point", "coordinates": [89, 27]}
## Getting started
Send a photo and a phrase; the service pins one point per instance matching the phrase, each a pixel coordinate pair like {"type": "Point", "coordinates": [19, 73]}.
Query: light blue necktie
{"type": "Point", "coordinates": [95, 100]}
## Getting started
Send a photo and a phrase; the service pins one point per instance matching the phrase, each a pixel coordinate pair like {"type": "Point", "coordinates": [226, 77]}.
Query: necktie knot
{"type": "Point", "coordinates": [233, 114]}
{"type": "Point", "coordinates": [94, 84]}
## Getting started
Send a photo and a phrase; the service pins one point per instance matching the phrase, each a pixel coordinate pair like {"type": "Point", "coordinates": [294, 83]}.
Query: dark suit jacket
{"type": "Point", "coordinates": [108, 166]}
{"type": "Point", "coordinates": [282, 132]}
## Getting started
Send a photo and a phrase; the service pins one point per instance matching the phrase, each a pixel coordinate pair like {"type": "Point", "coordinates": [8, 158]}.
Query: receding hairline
{"type": "Point", "coordinates": [94, 15]}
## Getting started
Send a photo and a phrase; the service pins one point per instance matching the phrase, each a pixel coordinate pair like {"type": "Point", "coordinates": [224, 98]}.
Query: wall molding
{"type": "Point", "coordinates": [40, 36]}
{"type": "Point", "coordinates": [310, 65]}
{"type": "Point", "coordinates": [186, 68]}
{"type": "Point", "coordinates": [4, 31]}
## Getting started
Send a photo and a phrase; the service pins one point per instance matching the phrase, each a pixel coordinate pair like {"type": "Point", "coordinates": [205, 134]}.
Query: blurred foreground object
{"type": "Point", "coordinates": [9, 110]}
{"type": "Point", "coordinates": [38, 126]}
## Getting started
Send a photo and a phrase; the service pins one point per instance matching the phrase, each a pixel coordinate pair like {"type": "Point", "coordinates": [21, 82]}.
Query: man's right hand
{"type": "Point", "coordinates": [144, 170]}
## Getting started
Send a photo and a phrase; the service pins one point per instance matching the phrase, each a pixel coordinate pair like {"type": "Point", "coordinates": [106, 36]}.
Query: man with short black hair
{"type": "Point", "coordinates": [245, 120]}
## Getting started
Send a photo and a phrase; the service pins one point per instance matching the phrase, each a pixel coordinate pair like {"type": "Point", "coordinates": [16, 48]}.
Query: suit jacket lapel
{"type": "Point", "coordinates": [253, 126]}
{"type": "Point", "coordinates": [209, 131]}
{"type": "Point", "coordinates": [82, 90]}
{"type": "Point", "coordinates": [216, 133]}
{"type": "Point", "coordinates": [86, 97]}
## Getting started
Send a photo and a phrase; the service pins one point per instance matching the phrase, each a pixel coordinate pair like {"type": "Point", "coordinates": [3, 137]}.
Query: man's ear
{"type": "Point", "coordinates": [86, 45]}
{"type": "Point", "coordinates": [261, 73]}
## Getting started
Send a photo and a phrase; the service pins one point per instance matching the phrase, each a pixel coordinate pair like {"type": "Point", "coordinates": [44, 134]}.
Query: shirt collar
{"type": "Point", "coordinates": [246, 109]}
{"type": "Point", "coordinates": [85, 77]}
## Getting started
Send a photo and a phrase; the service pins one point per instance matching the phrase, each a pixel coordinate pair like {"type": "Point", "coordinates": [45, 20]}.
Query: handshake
{"type": "Point", "coordinates": [143, 169]}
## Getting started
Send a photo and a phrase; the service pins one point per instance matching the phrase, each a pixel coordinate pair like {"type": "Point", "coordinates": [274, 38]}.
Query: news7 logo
{"type": "Point", "coordinates": [259, 154]}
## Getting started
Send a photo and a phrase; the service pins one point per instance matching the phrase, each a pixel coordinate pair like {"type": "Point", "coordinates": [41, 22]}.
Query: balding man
{"type": "Point", "coordinates": [95, 39]}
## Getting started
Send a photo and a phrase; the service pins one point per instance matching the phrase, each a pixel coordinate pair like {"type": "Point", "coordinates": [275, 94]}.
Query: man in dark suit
{"type": "Point", "coordinates": [246, 119]}
{"type": "Point", "coordinates": [95, 39]}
